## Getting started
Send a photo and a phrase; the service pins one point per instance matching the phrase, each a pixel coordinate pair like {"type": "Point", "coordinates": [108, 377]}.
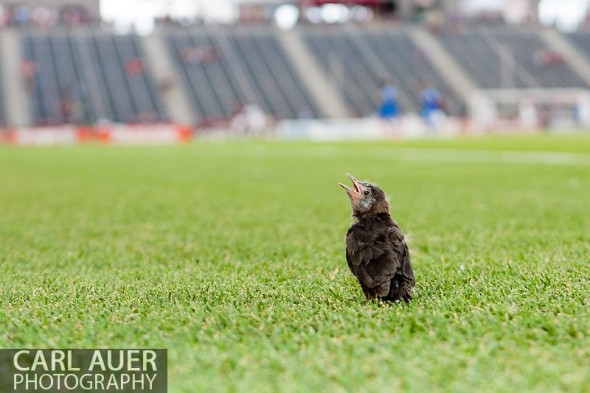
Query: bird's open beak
{"type": "Point", "coordinates": [356, 192]}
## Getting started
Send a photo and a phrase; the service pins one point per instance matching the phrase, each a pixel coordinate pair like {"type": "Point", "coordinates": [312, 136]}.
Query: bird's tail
{"type": "Point", "coordinates": [399, 290]}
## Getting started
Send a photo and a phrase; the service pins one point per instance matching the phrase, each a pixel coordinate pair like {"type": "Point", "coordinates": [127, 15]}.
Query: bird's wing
{"type": "Point", "coordinates": [349, 261]}
{"type": "Point", "coordinates": [402, 253]}
{"type": "Point", "coordinates": [374, 254]}
{"type": "Point", "coordinates": [378, 256]}
{"type": "Point", "coordinates": [359, 243]}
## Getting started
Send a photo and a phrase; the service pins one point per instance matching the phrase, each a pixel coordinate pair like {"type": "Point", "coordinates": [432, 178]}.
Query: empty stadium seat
{"type": "Point", "coordinates": [509, 58]}
{"type": "Point", "coordinates": [88, 76]}
{"type": "Point", "coordinates": [581, 41]}
{"type": "Point", "coordinates": [224, 69]}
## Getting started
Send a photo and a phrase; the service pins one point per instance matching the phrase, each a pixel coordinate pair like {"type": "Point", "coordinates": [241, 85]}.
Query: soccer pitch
{"type": "Point", "coordinates": [231, 255]}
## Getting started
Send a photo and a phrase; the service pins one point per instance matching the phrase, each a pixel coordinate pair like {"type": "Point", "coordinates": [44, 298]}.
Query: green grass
{"type": "Point", "coordinates": [232, 257]}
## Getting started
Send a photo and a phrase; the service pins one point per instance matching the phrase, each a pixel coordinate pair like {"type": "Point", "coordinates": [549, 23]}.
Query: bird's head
{"type": "Point", "coordinates": [366, 198]}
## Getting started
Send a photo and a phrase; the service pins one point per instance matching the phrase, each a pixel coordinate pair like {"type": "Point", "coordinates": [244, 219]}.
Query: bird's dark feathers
{"type": "Point", "coordinates": [378, 256]}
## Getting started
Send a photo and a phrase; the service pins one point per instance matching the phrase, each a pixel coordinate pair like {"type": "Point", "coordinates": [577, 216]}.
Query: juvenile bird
{"type": "Point", "coordinates": [376, 251]}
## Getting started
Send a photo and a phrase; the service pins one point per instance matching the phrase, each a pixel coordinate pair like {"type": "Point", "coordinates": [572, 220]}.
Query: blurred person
{"type": "Point", "coordinates": [44, 16]}
{"type": "Point", "coordinates": [527, 114]}
{"type": "Point", "coordinates": [134, 66]}
{"type": "Point", "coordinates": [7, 15]}
{"type": "Point", "coordinates": [431, 106]}
{"type": "Point", "coordinates": [196, 55]}
{"type": "Point", "coordinates": [71, 15]}
{"type": "Point", "coordinates": [547, 57]}
{"type": "Point", "coordinates": [4, 16]}
{"type": "Point", "coordinates": [250, 120]}
{"type": "Point", "coordinates": [388, 108]}
{"type": "Point", "coordinates": [435, 19]}
{"type": "Point", "coordinates": [22, 15]}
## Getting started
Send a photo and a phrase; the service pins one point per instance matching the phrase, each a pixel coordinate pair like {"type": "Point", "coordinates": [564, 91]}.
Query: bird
{"type": "Point", "coordinates": [376, 249]}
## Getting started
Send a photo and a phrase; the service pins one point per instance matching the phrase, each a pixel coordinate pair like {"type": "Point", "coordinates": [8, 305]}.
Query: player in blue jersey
{"type": "Point", "coordinates": [389, 108]}
{"type": "Point", "coordinates": [431, 106]}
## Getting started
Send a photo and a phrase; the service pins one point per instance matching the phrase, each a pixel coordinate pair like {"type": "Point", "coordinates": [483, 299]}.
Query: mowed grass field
{"type": "Point", "coordinates": [231, 255]}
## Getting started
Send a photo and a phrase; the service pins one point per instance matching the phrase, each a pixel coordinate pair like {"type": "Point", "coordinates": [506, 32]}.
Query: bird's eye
{"type": "Point", "coordinates": [366, 192]}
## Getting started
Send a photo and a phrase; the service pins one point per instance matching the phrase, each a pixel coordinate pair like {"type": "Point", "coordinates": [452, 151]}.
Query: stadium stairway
{"type": "Point", "coordinates": [457, 78]}
{"type": "Point", "coordinates": [173, 98]}
{"type": "Point", "coordinates": [15, 97]}
{"type": "Point", "coordinates": [577, 62]}
{"type": "Point", "coordinates": [316, 81]}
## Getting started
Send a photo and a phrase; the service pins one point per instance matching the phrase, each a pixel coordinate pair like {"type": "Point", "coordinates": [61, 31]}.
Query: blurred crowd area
{"type": "Point", "coordinates": [46, 16]}
{"type": "Point", "coordinates": [123, 15]}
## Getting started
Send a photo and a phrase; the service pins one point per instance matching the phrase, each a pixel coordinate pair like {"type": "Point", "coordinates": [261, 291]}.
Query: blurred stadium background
{"type": "Point", "coordinates": [168, 70]}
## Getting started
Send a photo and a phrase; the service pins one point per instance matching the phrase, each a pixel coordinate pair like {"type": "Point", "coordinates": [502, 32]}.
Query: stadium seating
{"type": "Point", "coordinates": [359, 60]}
{"type": "Point", "coordinates": [581, 41]}
{"type": "Point", "coordinates": [509, 57]}
{"type": "Point", "coordinates": [89, 76]}
{"type": "Point", "coordinates": [224, 69]}
{"type": "Point", "coordinates": [2, 110]}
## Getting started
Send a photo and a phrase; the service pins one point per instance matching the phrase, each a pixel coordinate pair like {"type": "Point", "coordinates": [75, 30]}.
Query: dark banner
{"type": "Point", "coordinates": [83, 370]}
